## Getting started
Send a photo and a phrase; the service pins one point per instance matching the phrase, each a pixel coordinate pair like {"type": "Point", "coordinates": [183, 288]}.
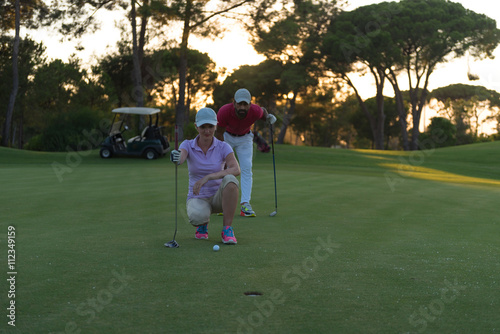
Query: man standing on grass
{"type": "Point", "coordinates": [234, 123]}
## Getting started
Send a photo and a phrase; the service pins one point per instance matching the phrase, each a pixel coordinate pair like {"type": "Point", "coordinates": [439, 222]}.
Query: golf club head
{"type": "Point", "coordinates": [172, 244]}
{"type": "Point", "coordinates": [274, 213]}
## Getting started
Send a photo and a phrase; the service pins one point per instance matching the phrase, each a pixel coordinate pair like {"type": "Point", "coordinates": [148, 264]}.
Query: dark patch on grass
{"type": "Point", "coordinates": [252, 293]}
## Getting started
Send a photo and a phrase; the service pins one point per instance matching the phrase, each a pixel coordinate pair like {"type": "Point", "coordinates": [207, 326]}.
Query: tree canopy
{"type": "Point", "coordinates": [293, 38]}
{"type": "Point", "coordinates": [406, 40]}
{"type": "Point", "coordinates": [464, 104]}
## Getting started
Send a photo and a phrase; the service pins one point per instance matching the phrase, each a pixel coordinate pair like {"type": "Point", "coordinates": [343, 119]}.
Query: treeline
{"type": "Point", "coordinates": [312, 49]}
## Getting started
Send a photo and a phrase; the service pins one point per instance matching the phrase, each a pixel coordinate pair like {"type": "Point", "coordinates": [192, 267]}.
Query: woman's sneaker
{"type": "Point", "coordinates": [228, 235]}
{"type": "Point", "coordinates": [202, 232]}
{"type": "Point", "coordinates": [246, 210]}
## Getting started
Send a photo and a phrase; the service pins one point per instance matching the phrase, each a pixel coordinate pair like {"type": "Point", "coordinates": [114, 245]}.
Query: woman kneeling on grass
{"type": "Point", "coordinates": [212, 189]}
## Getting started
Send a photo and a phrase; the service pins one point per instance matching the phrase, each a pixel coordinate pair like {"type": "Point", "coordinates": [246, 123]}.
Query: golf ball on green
{"type": "Point", "coordinates": [216, 248]}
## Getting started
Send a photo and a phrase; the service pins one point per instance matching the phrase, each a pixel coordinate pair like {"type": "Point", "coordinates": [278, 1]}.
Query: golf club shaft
{"type": "Point", "coordinates": [176, 148]}
{"type": "Point", "coordinates": [274, 169]}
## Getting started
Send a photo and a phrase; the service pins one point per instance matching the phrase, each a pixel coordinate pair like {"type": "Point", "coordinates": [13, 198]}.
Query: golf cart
{"type": "Point", "coordinates": [150, 144]}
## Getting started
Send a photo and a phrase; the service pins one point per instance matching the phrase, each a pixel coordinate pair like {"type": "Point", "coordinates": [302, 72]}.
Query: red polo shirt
{"type": "Point", "coordinates": [226, 118]}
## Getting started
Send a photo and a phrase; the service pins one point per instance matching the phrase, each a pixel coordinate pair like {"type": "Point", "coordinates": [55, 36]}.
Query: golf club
{"type": "Point", "coordinates": [275, 212]}
{"type": "Point", "coordinates": [173, 243]}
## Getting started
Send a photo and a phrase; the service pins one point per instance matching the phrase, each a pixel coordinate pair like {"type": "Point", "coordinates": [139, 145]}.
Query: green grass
{"type": "Point", "coordinates": [364, 242]}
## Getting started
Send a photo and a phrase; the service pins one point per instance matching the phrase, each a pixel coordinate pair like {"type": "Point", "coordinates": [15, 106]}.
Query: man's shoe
{"type": "Point", "coordinates": [246, 210]}
{"type": "Point", "coordinates": [228, 235]}
{"type": "Point", "coordinates": [202, 232]}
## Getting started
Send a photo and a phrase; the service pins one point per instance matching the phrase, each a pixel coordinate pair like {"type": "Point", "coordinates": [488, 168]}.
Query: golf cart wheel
{"type": "Point", "coordinates": [150, 154]}
{"type": "Point", "coordinates": [105, 153]}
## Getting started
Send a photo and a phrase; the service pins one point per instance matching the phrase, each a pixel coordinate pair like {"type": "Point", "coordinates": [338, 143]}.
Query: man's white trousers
{"type": "Point", "coordinates": [243, 148]}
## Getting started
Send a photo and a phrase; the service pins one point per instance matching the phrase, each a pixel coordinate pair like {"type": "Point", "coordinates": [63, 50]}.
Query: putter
{"type": "Point", "coordinates": [275, 212]}
{"type": "Point", "coordinates": [173, 243]}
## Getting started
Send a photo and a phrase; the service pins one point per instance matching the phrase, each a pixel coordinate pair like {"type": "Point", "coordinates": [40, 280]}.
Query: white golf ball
{"type": "Point", "coordinates": [216, 248]}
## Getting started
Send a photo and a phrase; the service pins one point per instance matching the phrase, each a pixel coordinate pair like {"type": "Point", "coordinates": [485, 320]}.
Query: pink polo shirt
{"type": "Point", "coordinates": [226, 118]}
{"type": "Point", "coordinates": [200, 165]}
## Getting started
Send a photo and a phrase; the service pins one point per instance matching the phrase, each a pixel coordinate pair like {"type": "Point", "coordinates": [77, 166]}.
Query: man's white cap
{"type": "Point", "coordinates": [205, 116]}
{"type": "Point", "coordinates": [242, 95]}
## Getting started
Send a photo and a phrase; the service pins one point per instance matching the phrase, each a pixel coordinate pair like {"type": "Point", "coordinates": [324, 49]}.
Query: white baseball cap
{"type": "Point", "coordinates": [242, 95]}
{"type": "Point", "coordinates": [205, 116]}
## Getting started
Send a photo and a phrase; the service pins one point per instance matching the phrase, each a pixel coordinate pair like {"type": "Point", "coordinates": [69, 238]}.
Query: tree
{"type": "Point", "coordinates": [380, 37]}
{"type": "Point", "coordinates": [137, 59]}
{"type": "Point", "coordinates": [14, 14]}
{"type": "Point", "coordinates": [78, 17]}
{"type": "Point", "coordinates": [441, 133]}
{"type": "Point", "coordinates": [31, 55]}
{"type": "Point", "coordinates": [316, 121]}
{"type": "Point", "coordinates": [160, 75]}
{"type": "Point", "coordinates": [195, 18]}
{"type": "Point", "coordinates": [445, 29]}
{"type": "Point", "coordinates": [15, 77]}
{"type": "Point", "coordinates": [358, 42]}
{"type": "Point", "coordinates": [345, 113]}
{"type": "Point", "coordinates": [115, 71]}
{"type": "Point", "coordinates": [293, 37]}
{"type": "Point", "coordinates": [361, 123]}
{"type": "Point", "coordinates": [262, 80]}
{"type": "Point", "coordinates": [201, 77]}
{"type": "Point", "coordinates": [63, 92]}
{"type": "Point", "coordinates": [464, 104]}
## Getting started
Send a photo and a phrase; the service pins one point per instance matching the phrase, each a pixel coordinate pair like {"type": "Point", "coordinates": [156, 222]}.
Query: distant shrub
{"type": "Point", "coordinates": [67, 130]}
{"type": "Point", "coordinates": [440, 133]}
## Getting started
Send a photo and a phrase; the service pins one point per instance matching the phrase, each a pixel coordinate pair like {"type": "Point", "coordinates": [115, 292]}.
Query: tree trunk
{"type": "Point", "coordinates": [376, 123]}
{"type": "Point", "coordinates": [21, 133]}
{"type": "Point", "coordinates": [379, 135]}
{"type": "Point", "coordinates": [371, 119]}
{"type": "Point", "coordinates": [15, 80]}
{"type": "Point", "coordinates": [142, 35]}
{"type": "Point", "coordinates": [415, 132]}
{"type": "Point", "coordinates": [138, 93]}
{"type": "Point", "coordinates": [417, 107]}
{"type": "Point", "coordinates": [400, 107]}
{"type": "Point", "coordinates": [188, 100]}
{"type": "Point", "coordinates": [180, 110]}
{"type": "Point", "coordinates": [418, 98]}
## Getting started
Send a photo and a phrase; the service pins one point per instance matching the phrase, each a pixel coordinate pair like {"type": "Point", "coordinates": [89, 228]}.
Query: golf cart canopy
{"type": "Point", "coordinates": [137, 111]}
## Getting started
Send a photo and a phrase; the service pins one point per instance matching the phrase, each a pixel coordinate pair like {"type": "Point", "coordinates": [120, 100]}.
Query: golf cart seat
{"type": "Point", "coordinates": [147, 133]}
{"type": "Point", "coordinates": [120, 141]}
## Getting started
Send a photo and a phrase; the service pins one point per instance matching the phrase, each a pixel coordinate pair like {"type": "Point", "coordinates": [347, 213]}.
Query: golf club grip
{"type": "Point", "coordinates": [176, 137]}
